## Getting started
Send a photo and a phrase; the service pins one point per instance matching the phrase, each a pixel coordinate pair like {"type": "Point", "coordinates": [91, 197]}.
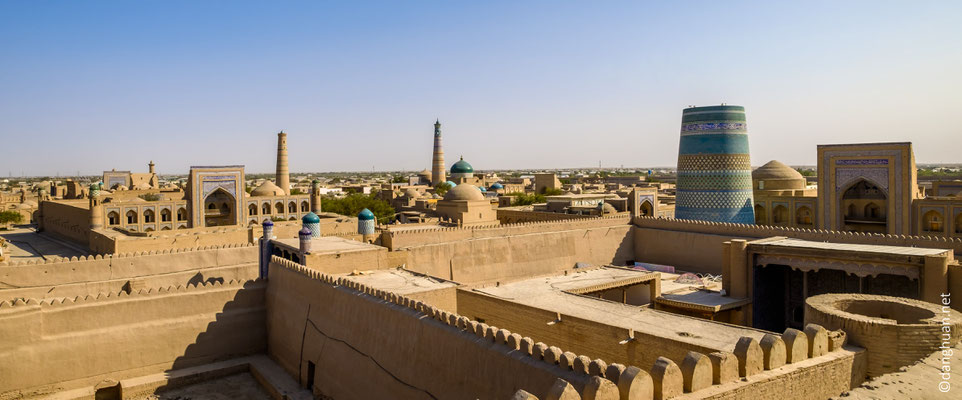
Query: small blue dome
{"type": "Point", "coordinates": [497, 186]}
{"type": "Point", "coordinates": [304, 232]}
{"type": "Point", "coordinates": [365, 215]}
{"type": "Point", "coordinates": [311, 218]}
{"type": "Point", "coordinates": [451, 185]}
{"type": "Point", "coordinates": [268, 223]}
{"type": "Point", "coordinates": [462, 167]}
{"type": "Point", "coordinates": [482, 189]}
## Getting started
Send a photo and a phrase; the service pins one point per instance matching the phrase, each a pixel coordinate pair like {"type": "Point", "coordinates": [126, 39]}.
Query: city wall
{"type": "Point", "coordinates": [91, 275]}
{"type": "Point", "coordinates": [395, 240]}
{"type": "Point", "coordinates": [66, 219]}
{"type": "Point", "coordinates": [427, 352]}
{"type": "Point", "coordinates": [84, 340]}
{"type": "Point", "coordinates": [108, 241]}
{"type": "Point", "coordinates": [471, 256]}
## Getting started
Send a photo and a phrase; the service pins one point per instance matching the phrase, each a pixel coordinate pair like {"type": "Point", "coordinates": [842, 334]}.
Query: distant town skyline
{"type": "Point", "coordinates": [98, 85]}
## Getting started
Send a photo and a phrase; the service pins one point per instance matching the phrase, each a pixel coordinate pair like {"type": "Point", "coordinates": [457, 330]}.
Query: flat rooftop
{"type": "Point", "coordinates": [399, 281]}
{"type": "Point", "coordinates": [552, 293]}
{"type": "Point", "coordinates": [329, 244]}
{"type": "Point", "coordinates": [848, 247]}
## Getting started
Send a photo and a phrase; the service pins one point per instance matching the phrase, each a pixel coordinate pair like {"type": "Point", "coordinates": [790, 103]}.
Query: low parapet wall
{"type": "Point", "coordinates": [507, 216]}
{"type": "Point", "coordinates": [523, 252]}
{"type": "Point", "coordinates": [696, 246]}
{"type": "Point", "coordinates": [419, 237]}
{"type": "Point", "coordinates": [58, 344]}
{"type": "Point", "coordinates": [817, 235]}
{"type": "Point", "coordinates": [397, 347]}
{"type": "Point", "coordinates": [81, 276]}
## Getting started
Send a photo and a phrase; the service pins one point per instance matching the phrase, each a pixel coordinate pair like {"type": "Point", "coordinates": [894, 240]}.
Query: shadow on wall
{"type": "Point", "coordinates": [198, 279]}
{"type": "Point", "coordinates": [238, 330]}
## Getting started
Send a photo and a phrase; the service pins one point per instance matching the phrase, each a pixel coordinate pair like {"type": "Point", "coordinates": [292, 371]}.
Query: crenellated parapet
{"type": "Point", "coordinates": [63, 260]}
{"type": "Point", "coordinates": [664, 379]}
{"type": "Point", "coordinates": [121, 295]}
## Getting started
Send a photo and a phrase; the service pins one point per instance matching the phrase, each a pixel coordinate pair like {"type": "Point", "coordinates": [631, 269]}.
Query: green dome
{"type": "Point", "coordinates": [462, 167]}
{"type": "Point", "coordinates": [311, 218]}
{"type": "Point", "coordinates": [365, 215]}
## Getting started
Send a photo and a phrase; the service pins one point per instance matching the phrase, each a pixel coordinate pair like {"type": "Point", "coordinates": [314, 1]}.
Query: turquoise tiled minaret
{"type": "Point", "coordinates": [714, 169]}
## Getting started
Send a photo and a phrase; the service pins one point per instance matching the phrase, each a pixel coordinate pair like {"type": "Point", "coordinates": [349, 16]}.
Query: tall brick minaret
{"type": "Point", "coordinates": [283, 177]}
{"type": "Point", "coordinates": [437, 170]}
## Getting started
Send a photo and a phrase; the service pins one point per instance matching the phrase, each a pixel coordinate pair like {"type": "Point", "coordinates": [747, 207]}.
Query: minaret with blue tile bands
{"type": "Point", "coordinates": [714, 168]}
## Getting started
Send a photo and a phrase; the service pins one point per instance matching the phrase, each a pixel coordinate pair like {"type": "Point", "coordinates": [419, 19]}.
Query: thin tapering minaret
{"type": "Point", "coordinates": [437, 171]}
{"type": "Point", "coordinates": [283, 177]}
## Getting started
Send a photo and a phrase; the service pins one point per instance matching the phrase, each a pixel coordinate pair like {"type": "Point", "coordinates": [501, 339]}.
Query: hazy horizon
{"type": "Point", "coordinates": [91, 86]}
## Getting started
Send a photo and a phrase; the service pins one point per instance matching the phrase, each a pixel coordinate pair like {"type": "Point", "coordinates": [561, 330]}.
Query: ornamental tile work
{"type": "Point", "coordinates": [714, 167]}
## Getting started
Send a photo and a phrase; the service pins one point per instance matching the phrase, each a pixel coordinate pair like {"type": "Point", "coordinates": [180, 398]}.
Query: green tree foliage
{"type": "Point", "coordinates": [10, 217]}
{"type": "Point", "coordinates": [150, 196]}
{"type": "Point", "coordinates": [297, 191]}
{"type": "Point", "coordinates": [552, 191]}
{"type": "Point", "coordinates": [442, 188]}
{"type": "Point", "coordinates": [524, 199]}
{"type": "Point", "coordinates": [805, 172]}
{"type": "Point", "coordinates": [352, 204]}
{"type": "Point", "coordinates": [399, 179]}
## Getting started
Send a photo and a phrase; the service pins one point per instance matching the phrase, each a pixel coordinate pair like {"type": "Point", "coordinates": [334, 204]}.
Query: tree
{"type": "Point", "coordinates": [442, 188]}
{"type": "Point", "coordinates": [296, 191]}
{"type": "Point", "coordinates": [352, 204]}
{"type": "Point", "coordinates": [10, 217]}
{"type": "Point", "coordinates": [552, 191]}
{"type": "Point", "coordinates": [524, 199]}
{"type": "Point", "coordinates": [150, 196]}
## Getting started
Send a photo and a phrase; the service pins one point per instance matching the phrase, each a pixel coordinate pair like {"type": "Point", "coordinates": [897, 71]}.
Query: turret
{"type": "Point", "coordinates": [304, 236]}
{"type": "Point", "coordinates": [312, 223]}
{"type": "Point", "coordinates": [266, 248]}
{"type": "Point", "coordinates": [366, 223]}
{"type": "Point", "coordinates": [150, 167]}
{"type": "Point", "coordinates": [96, 210]}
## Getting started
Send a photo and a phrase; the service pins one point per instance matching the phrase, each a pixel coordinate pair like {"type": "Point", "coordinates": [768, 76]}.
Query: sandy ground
{"type": "Point", "coordinates": [917, 382]}
{"type": "Point", "coordinates": [24, 243]}
{"type": "Point", "coordinates": [235, 387]}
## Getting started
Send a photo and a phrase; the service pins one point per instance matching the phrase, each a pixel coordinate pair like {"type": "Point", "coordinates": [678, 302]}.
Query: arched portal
{"type": "Point", "coordinates": [932, 222]}
{"type": "Point", "coordinates": [305, 207]}
{"type": "Point", "coordinates": [292, 208]}
{"type": "Point", "coordinates": [252, 209]}
{"type": "Point", "coordinates": [803, 216]}
{"type": "Point", "coordinates": [865, 206]}
{"type": "Point", "coordinates": [219, 209]}
{"type": "Point", "coordinates": [113, 218]}
{"type": "Point", "coordinates": [760, 218]}
{"type": "Point", "coordinates": [646, 209]}
{"type": "Point", "coordinates": [779, 215]}
{"type": "Point", "coordinates": [279, 208]}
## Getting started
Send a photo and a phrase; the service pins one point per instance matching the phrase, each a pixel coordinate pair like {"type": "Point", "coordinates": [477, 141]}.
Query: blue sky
{"type": "Point", "coordinates": [95, 85]}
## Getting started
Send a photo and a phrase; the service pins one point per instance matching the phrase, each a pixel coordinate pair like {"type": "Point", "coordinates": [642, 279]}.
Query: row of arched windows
{"type": "Point", "coordinates": [781, 216]}
{"type": "Point", "coordinates": [148, 216]}
{"type": "Point", "coordinates": [265, 208]}
{"type": "Point", "coordinates": [933, 221]}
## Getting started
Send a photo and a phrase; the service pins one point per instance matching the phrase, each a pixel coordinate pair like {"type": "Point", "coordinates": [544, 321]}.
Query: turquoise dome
{"type": "Point", "coordinates": [482, 189]}
{"type": "Point", "coordinates": [365, 215]}
{"type": "Point", "coordinates": [497, 186]}
{"type": "Point", "coordinates": [311, 218]}
{"type": "Point", "coordinates": [451, 185]}
{"type": "Point", "coordinates": [462, 167]}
